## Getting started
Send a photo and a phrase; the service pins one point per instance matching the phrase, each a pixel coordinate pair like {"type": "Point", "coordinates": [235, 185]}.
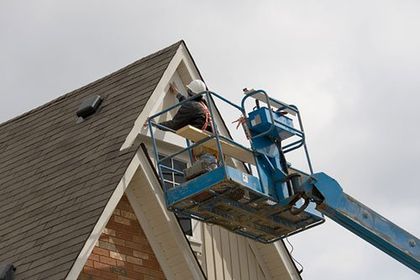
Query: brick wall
{"type": "Point", "coordinates": [122, 252]}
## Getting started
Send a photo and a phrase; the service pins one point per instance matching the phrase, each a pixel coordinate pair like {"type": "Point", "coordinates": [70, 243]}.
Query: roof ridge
{"type": "Point", "coordinates": [71, 93]}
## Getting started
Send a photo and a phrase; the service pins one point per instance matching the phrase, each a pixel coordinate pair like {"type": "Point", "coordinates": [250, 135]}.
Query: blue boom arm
{"type": "Point", "coordinates": [361, 220]}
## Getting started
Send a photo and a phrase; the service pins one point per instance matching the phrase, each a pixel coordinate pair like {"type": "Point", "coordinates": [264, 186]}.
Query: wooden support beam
{"type": "Point", "coordinates": [228, 149]}
{"type": "Point", "coordinates": [273, 103]}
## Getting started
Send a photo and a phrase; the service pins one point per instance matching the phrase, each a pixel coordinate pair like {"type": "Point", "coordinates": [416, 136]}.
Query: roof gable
{"type": "Point", "coordinates": [57, 175]}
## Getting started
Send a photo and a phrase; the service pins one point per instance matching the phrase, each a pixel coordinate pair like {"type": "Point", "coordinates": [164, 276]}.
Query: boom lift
{"type": "Point", "coordinates": [256, 193]}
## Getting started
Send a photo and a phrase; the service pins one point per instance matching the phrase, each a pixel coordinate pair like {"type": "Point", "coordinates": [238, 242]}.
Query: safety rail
{"type": "Point", "coordinates": [261, 95]}
{"type": "Point", "coordinates": [189, 145]}
{"type": "Point", "coordinates": [209, 97]}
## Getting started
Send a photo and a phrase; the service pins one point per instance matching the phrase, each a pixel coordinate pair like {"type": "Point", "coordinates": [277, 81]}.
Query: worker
{"type": "Point", "coordinates": [194, 112]}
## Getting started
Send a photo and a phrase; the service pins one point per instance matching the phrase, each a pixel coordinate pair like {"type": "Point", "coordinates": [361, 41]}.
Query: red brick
{"type": "Point", "coordinates": [118, 241]}
{"type": "Point", "coordinates": [107, 260]}
{"type": "Point", "coordinates": [134, 228]}
{"type": "Point", "coordinates": [126, 265]}
{"type": "Point", "coordinates": [101, 266]}
{"type": "Point", "coordinates": [124, 250]}
{"type": "Point", "coordinates": [137, 246]}
{"type": "Point", "coordinates": [100, 251]}
{"type": "Point", "coordinates": [104, 237]}
{"type": "Point", "coordinates": [122, 220]}
{"type": "Point", "coordinates": [149, 277]}
{"type": "Point", "coordinates": [91, 271]}
{"type": "Point", "coordinates": [84, 276]}
{"type": "Point", "coordinates": [134, 260]}
{"type": "Point", "coordinates": [124, 235]}
{"type": "Point", "coordinates": [151, 263]}
{"type": "Point", "coordinates": [107, 246]}
{"type": "Point", "coordinates": [128, 215]}
{"type": "Point", "coordinates": [139, 239]}
{"type": "Point", "coordinates": [140, 255]}
{"type": "Point", "coordinates": [109, 231]}
{"type": "Point", "coordinates": [135, 275]}
{"type": "Point", "coordinates": [108, 275]}
{"type": "Point", "coordinates": [124, 205]}
{"type": "Point", "coordinates": [117, 256]}
{"type": "Point", "coordinates": [148, 271]}
{"type": "Point", "coordinates": [89, 263]}
{"type": "Point", "coordinates": [127, 278]}
{"type": "Point", "coordinates": [121, 263]}
{"type": "Point", "coordinates": [94, 257]}
{"type": "Point", "coordinates": [118, 226]}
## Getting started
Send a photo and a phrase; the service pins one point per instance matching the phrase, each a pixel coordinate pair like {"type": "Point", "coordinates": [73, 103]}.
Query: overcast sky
{"type": "Point", "coordinates": [352, 67]}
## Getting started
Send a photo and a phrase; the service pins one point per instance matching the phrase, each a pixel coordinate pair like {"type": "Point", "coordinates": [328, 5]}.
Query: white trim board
{"type": "Point", "coordinates": [161, 226]}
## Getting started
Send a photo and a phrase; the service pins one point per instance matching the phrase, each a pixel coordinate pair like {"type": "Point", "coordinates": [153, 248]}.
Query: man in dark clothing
{"type": "Point", "coordinates": [194, 112]}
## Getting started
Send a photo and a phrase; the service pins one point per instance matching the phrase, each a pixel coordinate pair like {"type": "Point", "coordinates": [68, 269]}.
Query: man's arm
{"type": "Point", "coordinates": [174, 90]}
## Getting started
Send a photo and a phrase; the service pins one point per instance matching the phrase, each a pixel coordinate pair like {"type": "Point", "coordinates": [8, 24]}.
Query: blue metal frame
{"type": "Point", "coordinates": [299, 132]}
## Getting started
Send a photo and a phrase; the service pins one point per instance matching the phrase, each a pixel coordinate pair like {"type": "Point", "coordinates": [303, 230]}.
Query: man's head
{"type": "Point", "coordinates": [195, 87]}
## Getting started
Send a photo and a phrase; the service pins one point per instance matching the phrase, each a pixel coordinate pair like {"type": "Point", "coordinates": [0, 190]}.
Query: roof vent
{"type": "Point", "coordinates": [7, 271]}
{"type": "Point", "coordinates": [89, 106]}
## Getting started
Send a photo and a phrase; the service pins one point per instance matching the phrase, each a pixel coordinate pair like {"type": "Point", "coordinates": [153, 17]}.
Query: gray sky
{"type": "Point", "coordinates": [351, 66]}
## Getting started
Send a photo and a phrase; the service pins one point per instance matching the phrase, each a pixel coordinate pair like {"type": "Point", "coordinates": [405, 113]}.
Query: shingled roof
{"type": "Point", "coordinates": [57, 175]}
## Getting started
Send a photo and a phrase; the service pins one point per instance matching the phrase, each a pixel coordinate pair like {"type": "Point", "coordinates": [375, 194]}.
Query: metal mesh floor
{"type": "Point", "coordinates": [240, 209]}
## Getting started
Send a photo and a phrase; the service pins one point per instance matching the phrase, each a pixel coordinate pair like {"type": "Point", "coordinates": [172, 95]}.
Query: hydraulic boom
{"type": "Point", "coordinates": [361, 220]}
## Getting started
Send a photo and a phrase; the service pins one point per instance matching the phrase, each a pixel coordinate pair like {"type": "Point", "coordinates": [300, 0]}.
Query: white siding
{"type": "Point", "coordinates": [229, 256]}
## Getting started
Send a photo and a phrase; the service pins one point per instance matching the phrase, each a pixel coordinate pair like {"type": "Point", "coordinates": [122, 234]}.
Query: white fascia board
{"type": "Point", "coordinates": [103, 219]}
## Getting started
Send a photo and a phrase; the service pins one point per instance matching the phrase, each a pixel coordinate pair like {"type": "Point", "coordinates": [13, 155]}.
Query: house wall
{"type": "Point", "coordinates": [230, 256]}
{"type": "Point", "coordinates": [122, 251]}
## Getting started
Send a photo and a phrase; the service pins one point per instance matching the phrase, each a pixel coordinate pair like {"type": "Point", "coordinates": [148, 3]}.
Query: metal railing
{"type": "Point", "coordinates": [209, 96]}
{"type": "Point", "coordinates": [281, 106]}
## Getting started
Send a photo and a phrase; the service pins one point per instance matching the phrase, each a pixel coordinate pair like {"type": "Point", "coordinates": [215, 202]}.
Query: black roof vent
{"type": "Point", "coordinates": [7, 271]}
{"type": "Point", "coordinates": [89, 106]}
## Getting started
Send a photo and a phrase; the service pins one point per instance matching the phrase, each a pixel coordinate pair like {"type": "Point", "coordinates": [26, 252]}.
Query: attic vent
{"type": "Point", "coordinates": [7, 271]}
{"type": "Point", "coordinates": [89, 106]}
